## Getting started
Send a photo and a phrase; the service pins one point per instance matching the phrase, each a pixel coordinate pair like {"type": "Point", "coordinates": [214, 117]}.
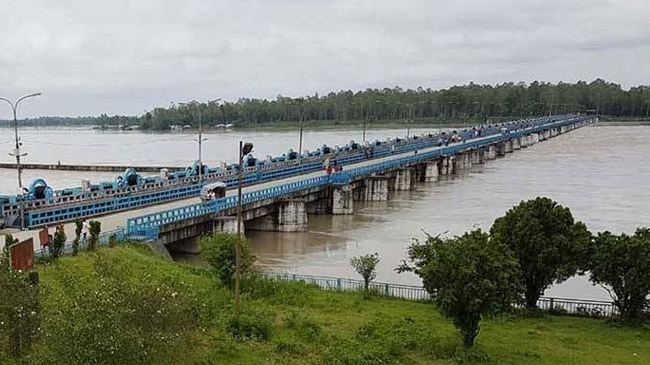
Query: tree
{"type": "Point", "coordinates": [468, 277]}
{"type": "Point", "coordinates": [95, 228]}
{"type": "Point", "coordinates": [365, 266]}
{"type": "Point", "coordinates": [78, 227]}
{"type": "Point", "coordinates": [621, 265]}
{"type": "Point", "coordinates": [549, 245]}
{"type": "Point", "coordinates": [58, 243]}
{"type": "Point", "coordinates": [219, 251]}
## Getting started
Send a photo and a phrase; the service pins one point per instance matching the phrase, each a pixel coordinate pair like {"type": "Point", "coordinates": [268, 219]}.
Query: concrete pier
{"type": "Point", "coordinates": [342, 200]}
{"type": "Point", "coordinates": [516, 144]}
{"type": "Point", "coordinates": [404, 180]}
{"type": "Point", "coordinates": [225, 225]}
{"type": "Point", "coordinates": [291, 216]}
{"type": "Point", "coordinates": [431, 171]}
{"type": "Point", "coordinates": [376, 188]}
{"type": "Point", "coordinates": [445, 165]}
{"type": "Point", "coordinates": [491, 152]}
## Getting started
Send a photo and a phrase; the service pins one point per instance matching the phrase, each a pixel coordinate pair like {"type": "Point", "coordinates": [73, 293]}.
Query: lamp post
{"type": "Point", "coordinates": [244, 149]}
{"type": "Point", "coordinates": [200, 140]}
{"type": "Point", "coordinates": [16, 153]}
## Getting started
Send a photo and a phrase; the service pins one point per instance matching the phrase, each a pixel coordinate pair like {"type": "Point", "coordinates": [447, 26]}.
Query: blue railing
{"type": "Point", "coordinates": [44, 213]}
{"type": "Point", "coordinates": [147, 224]}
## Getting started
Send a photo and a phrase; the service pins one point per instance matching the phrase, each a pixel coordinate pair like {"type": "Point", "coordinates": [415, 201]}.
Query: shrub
{"type": "Point", "coordinates": [19, 312]}
{"type": "Point", "coordinates": [112, 240]}
{"type": "Point", "coordinates": [58, 243]}
{"type": "Point", "coordinates": [78, 227]}
{"type": "Point", "coordinates": [110, 315]}
{"type": "Point", "coordinates": [250, 326]}
{"type": "Point", "coordinates": [95, 229]}
{"type": "Point", "coordinates": [219, 251]}
{"type": "Point", "coordinates": [366, 267]}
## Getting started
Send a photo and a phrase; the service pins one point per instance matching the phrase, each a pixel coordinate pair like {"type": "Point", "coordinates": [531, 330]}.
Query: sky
{"type": "Point", "coordinates": [127, 57]}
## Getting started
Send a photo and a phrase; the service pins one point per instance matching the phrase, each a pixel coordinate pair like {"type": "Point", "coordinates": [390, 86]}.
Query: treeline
{"type": "Point", "coordinates": [468, 102]}
{"type": "Point", "coordinates": [473, 101]}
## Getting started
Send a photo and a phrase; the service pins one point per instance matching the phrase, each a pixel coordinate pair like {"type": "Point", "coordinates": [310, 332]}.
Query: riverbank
{"type": "Point", "coordinates": [126, 305]}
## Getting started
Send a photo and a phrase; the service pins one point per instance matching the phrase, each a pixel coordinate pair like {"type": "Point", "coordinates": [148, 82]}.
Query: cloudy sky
{"type": "Point", "coordinates": [125, 57]}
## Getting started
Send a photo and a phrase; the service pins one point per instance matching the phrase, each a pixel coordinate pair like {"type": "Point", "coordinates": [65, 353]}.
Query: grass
{"type": "Point", "coordinates": [293, 323]}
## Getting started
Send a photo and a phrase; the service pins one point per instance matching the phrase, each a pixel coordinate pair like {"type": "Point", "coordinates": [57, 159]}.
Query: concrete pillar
{"type": "Point", "coordinates": [500, 149]}
{"type": "Point", "coordinates": [404, 179]}
{"type": "Point", "coordinates": [444, 165]}
{"type": "Point", "coordinates": [431, 171]}
{"type": "Point", "coordinates": [534, 138]}
{"type": "Point", "coordinates": [508, 145]}
{"type": "Point", "coordinates": [491, 152]}
{"type": "Point", "coordinates": [342, 200]}
{"type": "Point", "coordinates": [476, 157]}
{"type": "Point", "coordinates": [377, 188]}
{"type": "Point", "coordinates": [225, 225]}
{"type": "Point", "coordinates": [516, 144]}
{"type": "Point", "coordinates": [291, 216]}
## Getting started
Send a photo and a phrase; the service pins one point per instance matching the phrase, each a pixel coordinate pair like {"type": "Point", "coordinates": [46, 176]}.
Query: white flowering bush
{"type": "Point", "coordinates": [115, 316]}
{"type": "Point", "coordinates": [19, 312]}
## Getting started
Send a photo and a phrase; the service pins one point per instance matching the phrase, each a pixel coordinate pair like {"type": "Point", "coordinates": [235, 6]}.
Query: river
{"type": "Point", "coordinates": [600, 172]}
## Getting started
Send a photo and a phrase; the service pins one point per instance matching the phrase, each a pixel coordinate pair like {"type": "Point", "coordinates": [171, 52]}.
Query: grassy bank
{"type": "Point", "coordinates": [125, 305]}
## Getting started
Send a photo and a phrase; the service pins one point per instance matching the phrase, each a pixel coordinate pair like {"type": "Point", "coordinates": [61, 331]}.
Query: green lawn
{"type": "Point", "coordinates": [303, 324]}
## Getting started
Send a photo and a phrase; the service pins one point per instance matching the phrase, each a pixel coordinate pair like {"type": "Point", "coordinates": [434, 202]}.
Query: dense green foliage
{"type": "Point", "coordinates": [94, 228]}
{"type": "Point", "coordinates": [104, 311]}
{"type": "Point", "coordinates": [58, 243]}
{"type": "Point", "coordinates": [549, 245]}
{"type": "Point", "coordinates": [78, 227]}
{"type": "Point", "coordinates": [474, 102]}
{"type": "Point", "coordinates": [622, 263]}
{"type": "Point", "coordinates": [219, 251]}
{"type": "Point", "coordinates": [95, 303]}
{"type": "Point", "coordinates": [365, 266]}
{"type": "Point", "coordinates": [468, 277]}
{"type": "Point", "coordinates": [477, 102]}
{"type": "Point", "coordinates": [19, 311]}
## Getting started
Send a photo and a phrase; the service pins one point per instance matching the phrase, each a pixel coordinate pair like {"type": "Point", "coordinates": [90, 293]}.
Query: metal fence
{"type": "Point", "coordinates": [579, 307]}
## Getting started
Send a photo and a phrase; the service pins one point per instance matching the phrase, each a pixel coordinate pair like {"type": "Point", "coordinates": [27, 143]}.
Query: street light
{"type": "Point", "coordinates": [244, 149]}
{"type": "Point", "coordinates": [16, 153]}
{"type": "Point", "coordinates": [200, 140]}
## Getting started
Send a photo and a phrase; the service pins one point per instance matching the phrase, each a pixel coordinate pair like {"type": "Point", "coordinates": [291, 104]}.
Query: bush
{"type": "Point", "coordinates": [219, 251]}
{"type": "Point", "coordinates": [366, 267]}
{"type": "Point", "coordinates": [19, 312]}
{"type": "Point", "coordinates": [58, 243]}
{"type": "Point", "coordinates": [250, 326]}
{"type": "Point", "coordinates": [78, 227]}
{"type": "Point", "coordinates": [95, 228]}
{"type": "Point", "coordinates": [110, 315]}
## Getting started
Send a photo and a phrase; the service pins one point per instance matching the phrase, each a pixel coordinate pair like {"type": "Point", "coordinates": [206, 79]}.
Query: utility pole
{"type": "Point", "coordinates": [302, 126]}
{"type": "Point", "coordinates": [244, 149]}
{"type": "Point", "coordinates": [16, 153]}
